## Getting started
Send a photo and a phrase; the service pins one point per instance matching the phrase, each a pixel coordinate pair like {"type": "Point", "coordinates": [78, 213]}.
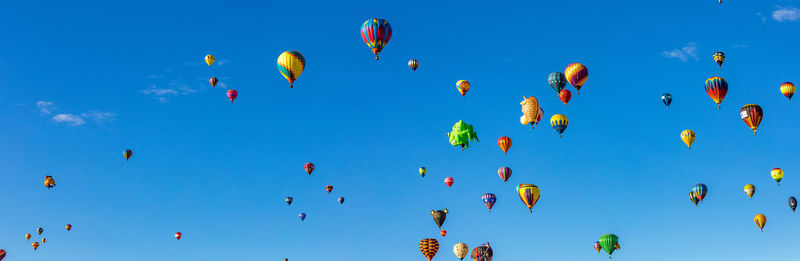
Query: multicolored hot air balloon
{"type": "Point", "coordinates": [27, 236]}
{"type": "Point", "coordinates": [504, 143]}
{"type": "Point", "coordinates": [449, 181]}
{"type": "Point", "coordinates": [178, 235]}
{"type": "Point", "coordinates": [443, 232]}
{"type": "Point", "coordinates": [39, 231]}
{"type": "Point", "coordinates": [232, 94]}
{"type": "Point", "coordinates": [439, 216]}
{"type": "Point", "coordinates": [413, 64]}
{"type": "Point", "coordinates": [529, 194]}
{"type": "Point", "coordinates": [597, 246]}
{"type": "Point", "coordinates": [329, 188]}
{"type": "Point", "coordinates": [302, 216]}
{"type": "Point", "coordinates": [49, 182]}
{"type": "Point", "coordinates": [609, 243]}
{"type": "Point", "coordinates": [504, 173]}
{"type": "Point", "coordinates": [341, 200]}
{"type": "Point", "coordinates": [2, 254]}
{"type": "Point", "coordinates": [787, 89]}
{"type": "Point", "coordinates": [209, 59]}
{"type": "Point", "coordinates": [700, 191]}
{"type": "Point", "coordinates": [423, 171]}
{"type": "Point", "coordinates": [688, 136]}
{"type": "Point", "coordinates": [792, 203]}
{"type": "Point", "coordinates": [749, 189]}
{"type": "Point", "coordinates": [559, 122]}
{"type": "Point", "coordinates": [760, 220]}
{"type": "Point", "coordinates": [482, 253]}
{"type": "Point", "coordinates": [35, 245]}
{"type": "Point", "coordinates": [463, 87]}
{"type": "Point", "coordinates": [429, 247]}
{"type": "Point", "coordinates": [693, 198]}
{"type": "Point", "coordinates": [488, 200]}
{"type": "Point", "coordinates": [576, 74]}
{"type": "Point", "coordinates": [719, 57]}
{"type": "Point", "coordinates": [777, 175]}
{"type": "Point", "coordinates": [717, 88]}
{"type": "Point", "coordinates": [69, 227]}
{"type": "Point", "coordinates": [666, 99]}
{"type": "Point", "coordinates": [127, 154]}
{"type": "Point", "coordinates": [752, 115]}
{"type": "Point", "coordinates": [44, 240]}
{"type": "Point", "coordinates": [461, 250]}
{"type": "Point", "coordinates": [565, 95]}
{"type": "Point", "coordinates": [557, 81]}
{"type": "Point", "coordinates": [213, 81]}
{"type": "Point", "coordinates": [309, 167]}
{"type": "Point", "coordinates": [291, 65]}
{"type": "Point", "coordinates": [376, 33]}
{"type": "Point", "coordinates": [530, 111]}
{"type": "Point", "coordinates": [289, 200]}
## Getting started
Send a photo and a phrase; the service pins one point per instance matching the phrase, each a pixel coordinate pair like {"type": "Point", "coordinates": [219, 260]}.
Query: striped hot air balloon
{"type": "Point", "coordinates": [609, 243]}
{"type": "Point", "coordinates": [699, 190]}
{"type": "Point", "coordinates": [693, 198]}
{"type": "Point", "coordinates": [213, 81]}
{"type": "Point", "coordinates": [787, 89]}
{"type": "Point", "coordinates": [719, 57]}
{"type": "Point", "coordinates": [559, 122]}
{"type": "Point", "coordinates": [376, 33]}
{"type": "Point", "coordinates": [760, 220]}
{"type": "Point", "coordinates": [463, 87]}
{"type": "Point", "coordinates": [504, 173]}
{"type": "Point", "coordinates": [504, 143]}
{"type": "Point", "coordinates": [529, 194]}
{"type": "Point", "coordinates": [488, 200]}
{"type": "Point", "coordinates": [557, 81]}
{"type": "Point", "coordinates": [429, 247]}
{"type": "Point", "coordinates": [127, 154]}
{"type": "Point", "coordinates": [717, 88]}
{"type": "Point", "coordinates": [576, 74]}
{"type": "Point", "coordinates": [752, 115]}
{"type": "Point", "coordinates": [291, 65]}
{"type": "Point", "coordinates": [413, 64]}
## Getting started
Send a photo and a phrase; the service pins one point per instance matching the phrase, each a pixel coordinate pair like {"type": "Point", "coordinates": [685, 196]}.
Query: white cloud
{"type": "Point", "coordinates": [176, 87]}
{"type": "Point", "coordinates": [684, 53]}
{"type": "Point", "coordinates": [45, 107]}
{"type": "Point", "coordinates": [784, 14]}
{"type": "Point", "coordinates": [98, 116]}
{"type": "Point", "coordinates": [69, 119]}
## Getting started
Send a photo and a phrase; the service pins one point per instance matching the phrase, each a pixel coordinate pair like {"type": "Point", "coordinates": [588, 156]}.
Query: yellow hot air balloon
{"type": "Point", "coordinates": [44, 240]}
{"type": "Point", "coordinates": [688, 137]}
{"type": "Point", "coordinates": [750, 190]}
{"type": "Point", "coordinates": [529, 194]}
{"type": "Point", "coordinates": [27, 236]}
{"type": "Point", "coordinates": [209, 59]}
{"type": "Point", "coordinates": [760, 220]}
{"type": "Point", "coordinates": [291, 65]}
{"type": "Point", "coordinates": [777, 175]}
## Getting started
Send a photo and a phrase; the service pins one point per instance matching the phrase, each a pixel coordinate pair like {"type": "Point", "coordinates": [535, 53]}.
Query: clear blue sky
{"type": "Point", "coordinates": [84, 80]}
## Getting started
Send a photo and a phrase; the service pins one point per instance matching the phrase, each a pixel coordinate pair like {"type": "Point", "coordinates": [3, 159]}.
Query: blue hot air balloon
{"type": "Point", "coordinates": [489, 199]}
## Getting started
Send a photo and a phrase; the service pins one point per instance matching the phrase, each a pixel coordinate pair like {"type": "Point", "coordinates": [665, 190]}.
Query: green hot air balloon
{"type": "Point", "coordinates": [608, 242]}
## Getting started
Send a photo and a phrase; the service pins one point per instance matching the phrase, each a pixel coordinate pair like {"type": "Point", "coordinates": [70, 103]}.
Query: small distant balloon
{"type": "Point", "coordinates": [291, 65]}
{"type": "Point", "coordinates": [749, 189]}
{"type": "Point", "coordinates": [35, 245]}
{"type": "Point", "coordinates": [232, 94]}
{"type": "Point", "coordinates": [341, 200]}
{"type": "Point", "coordinates": [39, 230]}
{"type": "Point", "coordinates": [213, 81]}
{"type": "Point", "coordinates": [666, 99]}
{"type": "Point", "coordinates": [289, 200]}
{"type": "Point", "coordinates": [443, 232]}
{"type": "Point", "coordinates": [792, 203]}
{"type": "Point", "coordinates": [413, 64]}
{"type": "Point", "coordinates": [565, 95]}
{"type": "Point", "coordinates": [69, 227]}
{"type": "Point", "coordinates": [504, 173]}
{"type": "Point", "coordinates": [423, 171]}
{"type": "Point", "coordinates": [449, 181]}
{"type": "Point", "coordinates": [576, 74]}
{"type": "Point", "coordinates": [488, 200]}
{"type": "Point", "coordinates": [178, 235]}
{"type": "Point", "coordinates": [688, 136]}
{"type": "Point", "coordinates": [777, 175]}
{"type": "Point", "coordinates": [559, 122]}
{"type": "Point", "coordinates": [209, 59]}
{"type": "Point", "coordinates": [309, 167]}
{"type": "Point", "coordinates": [127, 154]}
{"type": "Point", "coordinates": [27, 236]}
{"type": "Point", "coordinates": [463, 87]}
{"type": "Point", "coordinates": [557, 81]}
{"type": "Point", "coordinates": [760, 220]}
{"type": "Point", "coordinates": [302, 216]}
{"type": "Point", "coordinates": [787, 89]}
{"type": "Point", "coordinates": [504, 143]}
{"type": "Point", "coordinates": [329, 188]}
{"type": "Point", "coordinates": [719, 57]}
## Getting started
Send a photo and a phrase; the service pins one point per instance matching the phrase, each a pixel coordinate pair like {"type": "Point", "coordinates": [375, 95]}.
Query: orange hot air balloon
{"type": "Point", "coordinates": [576, 74]}
{"type": "Point", "coordinates": [329, 188]}
{"type": "Point", "coordinates": [69, 227]}
{"type": "Point", "coordinates": [35, 245]}
{"type": "Point", "coordinates": [443, 232]}
{"type": "Point", "coordinates": [178, 235]}
{"type": "Point", "coordinates": [565, 95]}
{"type": "Point", "coordinates": [429, 247]}
{"type": "Point", "coordinates": [27, 236]}
{"type": "Point", "coordinates": [213, 81]}
{"type": "Point", "coordinates": [504, 143]}
{"type": "Point", "coordinates": [760, 220]}
{"type": "Point", "coordinates": [752, 115]}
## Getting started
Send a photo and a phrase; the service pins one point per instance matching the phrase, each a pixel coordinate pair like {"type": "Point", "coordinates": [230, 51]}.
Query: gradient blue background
{"type": "Point", "coordinates": [219, 172]}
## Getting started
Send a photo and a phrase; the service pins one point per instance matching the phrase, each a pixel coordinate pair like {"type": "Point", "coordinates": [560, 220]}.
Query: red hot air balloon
{"type": "Point", "coordinates": [504, 143]}
{"type": "Point", "coordinates": [2, 254]}
{"type": "Point", "coordinates": [178, 235]}
{"type": "Point", "coordinates": [443, 232]}
{"type": "Point", "coordinates": [35, 245]}
{"type": "Point", "coordinates": [449, 181]}
{"type": "Point", "coordinates": [69, 227]}
{"type": "Point", "coordinates": [329, 188]}
{"type": "Point", "coordinates": [232, 94]}
{"type": "Point", "coordinates": [309, 167]}
{"type": "Point", "coordinates": [504, 173]}
{"type": "Point", "coordinates": [565, 95]}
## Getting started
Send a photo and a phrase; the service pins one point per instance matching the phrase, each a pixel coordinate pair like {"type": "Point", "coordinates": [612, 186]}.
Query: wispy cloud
{"type": "Point", "coordinates": [45, 107]}
{"type": "Point", "coordinates": [174, 88]}
{"type": "Point", "coordinates": [740, 46]}
{"type": "Point", "coordinates": [684, 53]}
{"type": "Point", "coordinates": [69, 119]}
{"type": "Point", "coordinates": [786, 14]}
{"type": "Point", "coordinates": [99, 117]}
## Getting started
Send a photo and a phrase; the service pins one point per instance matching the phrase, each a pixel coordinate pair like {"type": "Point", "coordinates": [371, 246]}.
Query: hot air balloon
{"type": "Point", "coordinates": [565, 95]}
{"type": "Point", "coordinates": [329, 188]}
{"type": "Point", "coordinates": [178, 235]}
{"type": "Point", "coordinates": [488, 200]}
{"type": "Point", "coordinates": [127, 154]}
{"type": "Point", "coordinates": [449, 181]}
{"type": "Point", "coordinates": [482, 253]}
{"type": "Point", "coordinates": [760, 220]}
{"type": "Point", "coordinates": [538, 117]}
{"type": "Point", "coordinates": [717, 88]}
{"type": "Point", "coordinates": [576, 74]}
{"type": "Point", "coordinates": [530, 111]}
{"type": "Point", "coordinates": [504, 143]}
{"type": "Point", "coordinates": [2, 254]}
{"type": "Point", "coordinates": [792, 203]}
{"type": "Point", "coordinates": [597, 246]}
{"type": "Point", "coordinates": [376, 33]}
{"type": "Point", "coordinates": [44, 240]}
{"type": "Point", "coordinates": [608, 242]}
{"type": "Point", "coordinates": [666, 99]}
{"type": "Point", "coordinates": [700, 191]}
{"type": "Point", "coordinates": [504, 173]}
{"type": "Point", "coordinates": [752, 115]}
{"type": "Point", "coordinates": [462, 134]}
{"type": "Point", "coordinates": [443, 232]}
{"type": "Point", "coordinates": [69, 227]}
{"type": "Point", "coordinates": [302, 216]}
{"type": "Point", "coordinates": [309, 167]}
{"type": "Point", "coordinates": [750, 190]}
{"type": "Point", "coordinates": [687, 136]}
{"type": "Point", "coordinates": [559, 123]}
{"type": "Point", "coordinates": [693, 198]}
{"type": "Point", "coordinates": [35, 245]}
{"type": "Point", "coordinates": [439, 216]}
{"type": "Point", "coordinates": [232, 94]}
{"type": "Point", "coordinates": [787, 89]}
{"type": "Point", "coordinates": [49, 182]}
{"type": "Point", "coordinates": [341, 200]}
{"type": "Point", "coordinates": [557, 81]}
{"type": "Point", "coordinates": [413, 64]}
{"type": "Point", "coordinates": [777, 175]}
{"type": "Point", "coordinates": [429, 247]}
{"type": "Point", "coordinates": [209, 59]}
{"type": "Point", "coordinates": [289, 200]}
{"type": "Point", "coordinates": [291, 65]}
{"type": "Point", "coordinates": [422, 171]}
{"type": "Point", "coordinates": [719, 57]}
{"type": "Point", "coordinates": [463, 87]}
{"type": "Point", "coordinates": [213, 81]}
{"type": "Point", "coordinates": [461, 250]}
{"type": "Point", "coordinates": [529, 194]}
{"type": "Point", "coordinates": [39, 231]}
{"type": "Point", "coordinates": [27, 236]}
